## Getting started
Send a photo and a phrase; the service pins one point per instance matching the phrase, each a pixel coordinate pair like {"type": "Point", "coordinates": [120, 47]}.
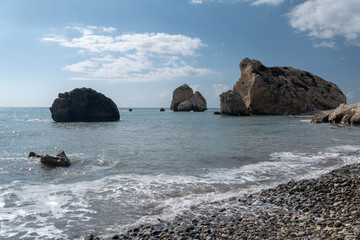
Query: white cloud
{"type": "Point", "coordinates": [268, 2]}
{"type": "Point", "coordinates": [80, 66]}
{"type": "Point", "coordinates": [109, 29]}
{"type": "Point", "coordinates": [219, 89]}
{"type": "Point", "coordinates": [328, 44]}
{"type": "Point", "coordinates": [131, 57]}
{"type": "Point", "coordinates": [328, 19]}
{"type": "Point", "coordinates": [195, 1]}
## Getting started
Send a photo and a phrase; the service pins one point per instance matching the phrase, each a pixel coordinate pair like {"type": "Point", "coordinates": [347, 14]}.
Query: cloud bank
{"type": "Point", "coordinates": [327, 20]}
{"type": "Point", "coordinates": [131, 57]}
{"type": "Point", "coordinates": [324, 21]}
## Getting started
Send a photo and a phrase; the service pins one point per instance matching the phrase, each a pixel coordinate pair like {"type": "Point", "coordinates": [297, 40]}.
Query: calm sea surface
{"type": "Point", "coordinates": [150, 165]}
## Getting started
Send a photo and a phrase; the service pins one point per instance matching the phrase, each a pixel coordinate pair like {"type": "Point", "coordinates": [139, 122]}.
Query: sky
{"type": "Point", "coordinates": [138, 51]}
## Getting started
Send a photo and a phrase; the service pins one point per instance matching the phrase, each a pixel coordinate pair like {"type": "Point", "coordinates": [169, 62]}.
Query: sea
{"type": "Point", "coordinates": [150, 165]}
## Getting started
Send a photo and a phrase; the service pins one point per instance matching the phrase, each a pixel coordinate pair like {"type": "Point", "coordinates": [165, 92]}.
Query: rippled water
{"type": "Point", "coordinates": [150, 164]}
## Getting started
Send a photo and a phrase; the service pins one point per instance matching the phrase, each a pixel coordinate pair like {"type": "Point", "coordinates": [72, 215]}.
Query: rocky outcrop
{"type": "Point", "coordinates": [281, 90]}
{"type": "Point", "coordinates": [184, 99]}
{"type": "Point", "coordinates": [344, 114]}
{"type": "Point", "coordinates": [84, 105]}
{"type": "Point", "coordinates": [231, 103]}
{"type": "Point", "coordinates": [185, 106]}
{"type": "Point", "coordinates": [198, 102]}
{"type": "Point", "coordinates": [60, 160]}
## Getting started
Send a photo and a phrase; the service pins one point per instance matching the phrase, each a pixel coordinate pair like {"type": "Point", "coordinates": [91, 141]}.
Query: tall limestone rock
{"type": "Point", "coordinates": [184, 99]}
{"type": "Point", "coordinates": [281, 90]}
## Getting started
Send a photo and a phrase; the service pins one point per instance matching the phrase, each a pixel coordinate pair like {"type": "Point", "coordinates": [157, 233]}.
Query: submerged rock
{"type": "Point", "coordinates": [281, 90]}
{"type": "Point", "coordinates": [84, 105]}
{"type": "Point", "coordinates": [346, 114]}
{"type": "Point", "coordinates": [184, 99]}
{"type": "Point", "coordinates": [60, 160]}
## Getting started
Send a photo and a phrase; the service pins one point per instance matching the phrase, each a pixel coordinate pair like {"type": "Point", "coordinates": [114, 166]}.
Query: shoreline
{"type": "Point", "coordinates": [327, 207]}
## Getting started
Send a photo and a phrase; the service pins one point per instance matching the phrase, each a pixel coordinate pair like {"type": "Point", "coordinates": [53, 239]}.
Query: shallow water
{"type": "Point", "coordinates": [150, 165]}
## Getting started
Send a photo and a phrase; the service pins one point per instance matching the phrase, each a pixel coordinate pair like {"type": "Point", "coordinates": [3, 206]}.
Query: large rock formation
{"type": "Point", "coordinates": [84, 105]}
{"type": "Point", "coordinates": [280, 90]}
{"type": "Point", "coordinates": [184, 99]}
{"type": "Point", "coordinates": [344, 114]}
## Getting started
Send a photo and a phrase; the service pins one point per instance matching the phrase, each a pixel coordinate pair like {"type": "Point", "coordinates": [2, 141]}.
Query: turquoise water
{"type": "Point", "coordinates": [150, 165]}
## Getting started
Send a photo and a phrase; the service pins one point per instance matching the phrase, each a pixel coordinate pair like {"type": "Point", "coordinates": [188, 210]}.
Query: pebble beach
{"type": "Point", "coordinates": [327, 207]}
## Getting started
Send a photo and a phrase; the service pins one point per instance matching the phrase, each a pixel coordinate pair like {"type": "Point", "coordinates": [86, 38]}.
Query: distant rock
{"type": "Point", "coordinates": [217, 113]}
{"type": "Point", "coordinates": [280, 90]}
{"type": "Point", "coordinates": [60, 160]}
{"type": "Point", "coordinates": [184, 99]}
{"type": "Point", "coordinates": [180, 94]}
{"type": "Point", "coordinates": [162, 109]}
{"type": "Point", "coordinates": [198, 102]}
{"type": "Point", "coordinates": [346, 114]}
{"type": "Point", "coordinates": [84, 105]}
{"type": "Point", "coordinates": [185, 106]}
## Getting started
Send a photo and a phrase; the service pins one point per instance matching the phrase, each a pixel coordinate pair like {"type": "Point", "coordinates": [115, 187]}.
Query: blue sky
{"type": "Point", "coordinates": [138, 51]}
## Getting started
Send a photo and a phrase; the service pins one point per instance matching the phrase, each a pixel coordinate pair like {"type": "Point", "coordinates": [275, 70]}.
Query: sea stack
{"type": "Point", "coordinates": [278, 91]}
{"type": "Point", "coordinates": [84, 105]}
{"type": "Point", "coordinates": [184, 99]}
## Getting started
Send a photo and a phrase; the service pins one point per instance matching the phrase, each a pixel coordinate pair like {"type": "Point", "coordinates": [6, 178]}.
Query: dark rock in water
{"type": "Point", "coordinates": [282, 90]}
{"type": "Point", "coordinates": [162, 109]}
{"type": "Point", "coordinates": [217, 113]}
{"type": "Point", "coordinates": [90, 237]}
{"type": "Point", "coordinates": [130, 109]}
{"type": "Point", "coordinates": [60, 160]}
{"type": "Point", "coordinates": [84, 105]}
{"type": "Point", "coordinates": [231, 103]}
{"type": "Point", "coordinates": [346, 114]}
{"type": "Point", "coordinates": [32, 154]}
{"type": "Point", "coordinates": [180, 94]}
{"type": "Point", "coordinates": [184, 99]}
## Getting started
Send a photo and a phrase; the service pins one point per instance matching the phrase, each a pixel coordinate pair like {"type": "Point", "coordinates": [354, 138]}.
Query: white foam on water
{"type": "Point", "coordinates": [31, 208]}
{"type": "Point", "coordinates": [39, 120]}
{"type": "Point", "coordinates": [285, 164]}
